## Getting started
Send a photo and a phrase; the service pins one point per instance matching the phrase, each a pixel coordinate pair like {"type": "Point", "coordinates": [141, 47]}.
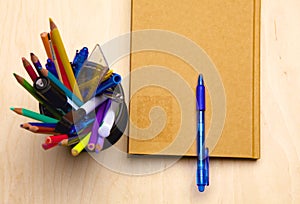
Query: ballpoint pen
{"type": "Point", "coordinates": [202, 175]}
{"type": "Point", "coordinates": [79, 59]}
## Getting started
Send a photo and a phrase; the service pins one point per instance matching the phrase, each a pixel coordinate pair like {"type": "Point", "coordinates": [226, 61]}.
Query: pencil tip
{"type": "Point", "coordinates": [12, 108]}
{"type": "Point", "coordinates": [15, 74]}
{"type": "Point", "coordinates": [52, 24]}
{"type": "Point", "coordinates": [31, 54]}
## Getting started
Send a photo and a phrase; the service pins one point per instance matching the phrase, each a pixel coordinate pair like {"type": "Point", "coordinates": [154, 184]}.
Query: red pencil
{"type": "Point", "coordinates": [49, 146]}
{"type": "Point", "coordinates": [29, 69]}
{"type": "Point", "coordinates": [56, 138]}
{"type": "Point", "coordinates": [62, 69]}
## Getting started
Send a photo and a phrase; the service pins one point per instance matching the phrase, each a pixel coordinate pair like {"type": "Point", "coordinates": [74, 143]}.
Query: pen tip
{"type": "Point", "coordinates": [200, 80]}
{"type": "Point", "coordinates": [201, 188]}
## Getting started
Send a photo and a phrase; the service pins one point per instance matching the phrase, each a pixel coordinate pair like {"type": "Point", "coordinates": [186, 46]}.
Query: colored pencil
{"type": "Point", "coordinates": [99, 118]}
{"type": "Point", "coordinates": [60, 85]}
{"type": "Point", "coordinates": [108, 75]}
{"type": "Point", "coordinates": [54, 59]}
{"type": "Point", "coordinates": [34, 115]}
{"type": "Point", "coordinates": [32, 91]}
{"type": "Point", "coordinates": [81, 145]}
{"type": "Point", "coordinates": [36, 62]}
{"type": "Point", "coordinates": [44, 37]}
{"type": "Point", "coordinates": [48, 146]}
{"type": "Point", "coordinates": [55, 138]}
{"type": "Point", "coordinates": [36, 129]}
{"type": "Point", "coordinates": [62, 71]}
{"type": "Point", "coordinates": [57, 42]}
{"type": "Point", "coordinates": [29, 69]}
{"type": "Point", "coordinates": [69, 141]}
{"type": "Point", "coordinates": [52, 125]}
{"type": "Point", "coordinates": [99, 144]}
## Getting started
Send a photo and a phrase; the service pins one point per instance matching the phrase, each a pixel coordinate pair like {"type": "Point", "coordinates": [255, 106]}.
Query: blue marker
{"type": "Point", "coordinates": [202, 176]}
{"type": "Point", "coordinates": [79, 59]}
{"type": "Point", "coordinates": [51, 67]}
{"type": "Point", "coordinates": [114, 80]}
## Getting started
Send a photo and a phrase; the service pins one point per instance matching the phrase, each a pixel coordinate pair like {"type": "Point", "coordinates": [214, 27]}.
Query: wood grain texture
{"type": "Point", "coordinates": [30, 175]}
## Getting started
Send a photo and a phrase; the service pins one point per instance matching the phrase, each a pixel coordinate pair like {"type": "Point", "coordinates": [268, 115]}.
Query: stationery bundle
{"type": "Point", "coordinates": [81, 103]}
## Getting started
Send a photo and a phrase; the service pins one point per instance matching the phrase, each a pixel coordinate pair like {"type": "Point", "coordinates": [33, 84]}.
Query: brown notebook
{"type": "Point", "coordinates": [164, 72]}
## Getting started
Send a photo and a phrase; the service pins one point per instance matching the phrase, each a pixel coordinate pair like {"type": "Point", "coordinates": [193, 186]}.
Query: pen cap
{"type": "Point", "coordinates": [108, 120]}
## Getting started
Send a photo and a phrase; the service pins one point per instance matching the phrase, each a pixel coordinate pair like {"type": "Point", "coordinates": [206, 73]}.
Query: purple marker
{"type": "Point", "coordinates": [99, 118]}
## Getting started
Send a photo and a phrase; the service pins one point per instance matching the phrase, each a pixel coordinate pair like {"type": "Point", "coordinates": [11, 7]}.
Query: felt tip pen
{"type": "Point", "coordinates": [202, 174]}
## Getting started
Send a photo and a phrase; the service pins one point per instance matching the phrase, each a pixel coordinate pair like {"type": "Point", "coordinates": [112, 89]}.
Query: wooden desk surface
{"type": "Point", "coordinates": [30, 175]}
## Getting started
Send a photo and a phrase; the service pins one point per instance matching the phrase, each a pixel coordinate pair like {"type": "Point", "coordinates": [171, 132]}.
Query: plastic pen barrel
{"type": "Point", "coordinates": [202, 152]}
{"type": "Point", "coordinates": [56, 98]}
{"type": "Point", "coordinates": [114, 80]}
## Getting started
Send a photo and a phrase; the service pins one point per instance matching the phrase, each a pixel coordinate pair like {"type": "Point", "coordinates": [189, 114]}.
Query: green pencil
{"type": "Point", "coordinates": [34, 115]}
{"type": "Point", "coordinates": [32, 91]}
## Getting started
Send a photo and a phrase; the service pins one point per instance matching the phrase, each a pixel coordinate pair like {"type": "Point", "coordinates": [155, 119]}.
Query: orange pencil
{"type": "Point", "coordinates": [36, 129]}
{"type": "Point", "coordinates": [45, 40]}
{"type": "Point", "coordinates": [54, 59]}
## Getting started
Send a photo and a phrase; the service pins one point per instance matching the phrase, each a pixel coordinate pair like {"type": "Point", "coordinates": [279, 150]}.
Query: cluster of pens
{"type": "Point", "coordinates": [77, 100]}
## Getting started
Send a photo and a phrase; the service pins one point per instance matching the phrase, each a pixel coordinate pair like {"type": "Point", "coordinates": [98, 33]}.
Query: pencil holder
{"type": "Point", "coordinates": [81, 103]}
{"type": "Point", "coordinates": [120, 121]}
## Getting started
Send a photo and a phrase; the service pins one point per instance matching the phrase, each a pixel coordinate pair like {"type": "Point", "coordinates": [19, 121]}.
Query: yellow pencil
{"type": "Point", "coordinates": [81, 145]}
{"type": "Point", "coordinates": [57, 41]}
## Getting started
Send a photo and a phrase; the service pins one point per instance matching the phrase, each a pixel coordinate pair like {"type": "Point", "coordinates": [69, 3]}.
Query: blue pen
{"type": "Point", "coordinates": [51, 67]}
{"type": "Point", "coordinates": [114, 80]}
{"type": "Point", "coordinates": [202, 175]}
{"type": "Point", "coordinates": [79, 59]}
